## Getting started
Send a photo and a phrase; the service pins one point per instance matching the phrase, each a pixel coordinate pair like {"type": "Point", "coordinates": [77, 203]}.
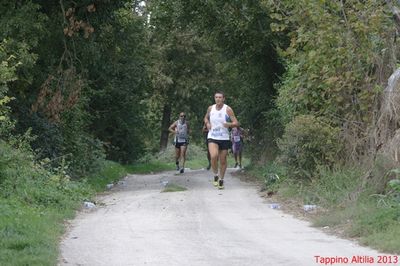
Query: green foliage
{"type": "Point", "coordinates": [264, 136]}
{"type": "Point", "coordinates": [82, 151]}
{"type": "Point", "coordinates": [117, 85]}
{"type": "Point", "coordinates": [307, 142]}
{"type": "Point", "coordinates": [6, 124]}
{"type": "Point", "coordinates": [35, 200]}
{"type": "Point", "coordinates": [89, 64]}
{"type": "Point", "coordinates": [109, 172]}
{"type": "Point", "coordinates": [31, 183]}
{"type": "Point", "coordinates": [7, 74]}
{"type": "Point", "coordinates": [336, 187]}
{"type": "Point", "coordinates": [248, 64]}
{"type": "Point", "coordinates": [271, 173]}
{"type": "Point", "coordinates": [395, 185]}
{"type": "Point", "coordinates": [392, 190]}
{"type": "Point", "coordinates": [376, 225]}
{"type": "Point", "coordinates": [182, 70]}
{"type": "Point", "coordinates": [23, 26]}
{"type": "Point", "coordinates": [334, 64]}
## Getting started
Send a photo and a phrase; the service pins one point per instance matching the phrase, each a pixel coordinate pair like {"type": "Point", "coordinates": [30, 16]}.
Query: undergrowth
{"type": "Point", "coordinates": [346, 204]}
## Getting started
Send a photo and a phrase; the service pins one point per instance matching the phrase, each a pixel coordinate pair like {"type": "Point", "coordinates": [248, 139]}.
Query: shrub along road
{"type": "Point", "coordinates": [138, 225]}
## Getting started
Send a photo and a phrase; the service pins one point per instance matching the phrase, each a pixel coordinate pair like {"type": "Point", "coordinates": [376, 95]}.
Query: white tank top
{"type": "Point", "coordinates": [182, 131]}
{"type": "Point", "coordinates": [217, 118]}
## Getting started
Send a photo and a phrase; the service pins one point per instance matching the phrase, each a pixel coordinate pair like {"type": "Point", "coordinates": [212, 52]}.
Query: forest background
{"type": "Point", "coordinates": [88, 85]}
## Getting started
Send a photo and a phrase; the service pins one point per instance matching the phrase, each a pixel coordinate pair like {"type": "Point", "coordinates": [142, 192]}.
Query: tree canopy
{"type": "Point", "coordinates": [104, 79]}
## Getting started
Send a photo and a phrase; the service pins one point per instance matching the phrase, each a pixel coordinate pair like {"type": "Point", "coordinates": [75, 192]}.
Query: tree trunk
{"type": "Point", "coordinates": [165, 122]}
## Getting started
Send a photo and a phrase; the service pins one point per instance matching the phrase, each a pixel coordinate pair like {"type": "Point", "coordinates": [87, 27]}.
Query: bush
{"type": "Point", "coordinates": [306, 143]}
{"type": "Point", "coordinates": [29, 182]}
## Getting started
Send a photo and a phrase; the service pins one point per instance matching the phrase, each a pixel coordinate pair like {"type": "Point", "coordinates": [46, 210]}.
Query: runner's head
{"type": "Point", "coordinates": [182, 116]}
{"type": "Point", "coordinates": [219, 97]}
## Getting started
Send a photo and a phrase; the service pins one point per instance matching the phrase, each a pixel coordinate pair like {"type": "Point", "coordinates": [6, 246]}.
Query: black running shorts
{"type": "Point", "coordinates": [179, 144]}
{"type": "Point", "coordinates": [222, 144]}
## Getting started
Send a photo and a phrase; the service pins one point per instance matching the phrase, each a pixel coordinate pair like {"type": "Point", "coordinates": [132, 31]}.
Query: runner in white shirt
{"type": "Point", "coordinates": [218, 119]}
{"type": "Point", "coordinates": [181, 130]}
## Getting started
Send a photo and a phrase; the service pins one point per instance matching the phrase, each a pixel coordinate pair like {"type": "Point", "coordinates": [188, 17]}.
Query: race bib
{"type": "Point", "coordinates": [216, 132]}
{"type": "Point", "coordinates": [236, 138]}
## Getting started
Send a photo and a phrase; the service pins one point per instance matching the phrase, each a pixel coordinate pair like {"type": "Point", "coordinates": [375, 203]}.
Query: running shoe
{"type": "Point", "coordinates": [221, 184]}
{"type": "Point", "coordinates": [216, 180]}
{"type": "Point", "coordinates": [236, 165]}
{"type": "Point", "coordinates": [182, 170]}
{"type": "Point", "coordinates": [177, 167]}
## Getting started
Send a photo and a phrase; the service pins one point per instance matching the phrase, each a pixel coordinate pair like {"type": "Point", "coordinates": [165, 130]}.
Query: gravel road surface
{"type": "Point", "coordinates": [137, 224]}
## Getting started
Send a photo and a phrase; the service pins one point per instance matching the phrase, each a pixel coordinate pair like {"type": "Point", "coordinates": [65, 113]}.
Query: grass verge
{"type": "Point", "coordinates": [149, 167]}
{"type": "Point", "coordinates": [28, 235]}
{"type": "Point", "coordinates": [196, 158]}
{"type": "Point", "coordinates": [346, 205]}
{"type": "Point", "coordinates": [170, 187]}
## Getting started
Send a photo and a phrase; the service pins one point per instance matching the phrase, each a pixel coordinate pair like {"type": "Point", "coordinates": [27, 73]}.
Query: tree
{"type": "Point", "coordinates": [183, 65]}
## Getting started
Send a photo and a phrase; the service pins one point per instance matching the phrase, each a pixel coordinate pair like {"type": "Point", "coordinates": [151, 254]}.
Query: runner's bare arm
{"type": "Point", "coordinates": [204, 129]}
{"type": "Point", "coordinates": [235, 122]}
{"type": "Point", "coordinates": [207, 118]}
{"type": "Point", "coordinates": [172, 127]}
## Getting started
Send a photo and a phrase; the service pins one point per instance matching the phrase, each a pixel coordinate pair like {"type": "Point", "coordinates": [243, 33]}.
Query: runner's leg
{"type": "Point", "coordinates": [183, 155]}
{"type": "Point", "coordinates": [240, 157]}
{"type": "Point", "coordinates": [223, 164]}
{"type": "Point", "coordinates": [213, 149]}
{"type": "Point", "coordinates": [177, 155]}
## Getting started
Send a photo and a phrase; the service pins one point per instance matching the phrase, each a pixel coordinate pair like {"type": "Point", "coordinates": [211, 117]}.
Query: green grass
{"type": "Point", "coordinates": [34, 205]}
{"type": "Point", "coordinates": [29, 235]}
{"type": "Point", "coordinates": [149, 167]}
{"type": "Point", "coordinates": [170, 187]}
{"type": "Point", "coordinates": [110, 172]}
{"type": "Point", "coordinates": [377, 226]}
{"type": "Point", "coordinates": [196, 158]}
{"type": "Point", "coordinates": [386, 240]}
{"type": "Point", "coordinates": [349, 210]}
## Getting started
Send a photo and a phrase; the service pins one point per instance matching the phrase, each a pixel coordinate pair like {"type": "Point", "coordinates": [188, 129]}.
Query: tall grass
{"type": "Point", "coordinates": [34, 202]}
{"type": "Point", "coordinates": [350, 205]}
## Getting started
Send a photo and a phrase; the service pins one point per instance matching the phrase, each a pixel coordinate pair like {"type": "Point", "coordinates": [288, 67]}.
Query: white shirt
{"type": "Point", "coordinates": [217, 119]}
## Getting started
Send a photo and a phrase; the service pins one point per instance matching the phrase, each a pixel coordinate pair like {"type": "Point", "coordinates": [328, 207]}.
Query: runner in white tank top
{"type": "Point", "coordinates": [181, 130]}
{"type": "Point", "coordinates": [218, 119]}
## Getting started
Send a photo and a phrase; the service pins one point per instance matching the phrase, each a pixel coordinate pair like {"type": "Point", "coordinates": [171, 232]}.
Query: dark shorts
{"type": "Point", "coordinates": [222, 144]}
{"type": "Point", "coordinates": [178, 145]}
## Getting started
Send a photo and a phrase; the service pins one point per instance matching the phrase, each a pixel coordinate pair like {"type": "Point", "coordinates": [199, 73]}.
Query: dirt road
{"type": "Point", "coordinates": [138, 225]}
